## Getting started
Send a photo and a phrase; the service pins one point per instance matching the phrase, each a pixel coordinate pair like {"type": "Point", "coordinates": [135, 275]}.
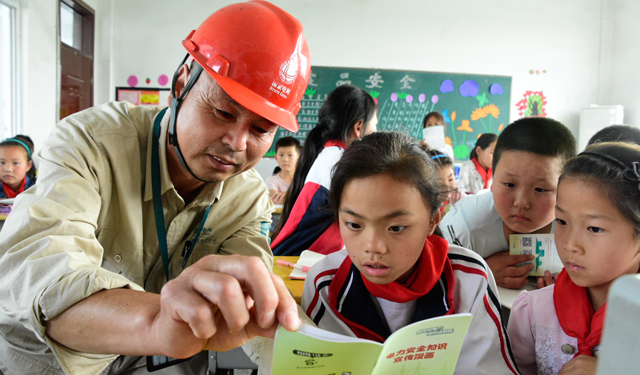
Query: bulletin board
{"type": "Point", "coordinates": [148, 96]}
{"type": "Point", "coordinates": [471, 104]}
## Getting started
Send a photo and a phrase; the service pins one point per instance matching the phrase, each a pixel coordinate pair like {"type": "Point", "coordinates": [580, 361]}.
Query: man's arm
{"type": "Point", "coordinates": [218, 303]}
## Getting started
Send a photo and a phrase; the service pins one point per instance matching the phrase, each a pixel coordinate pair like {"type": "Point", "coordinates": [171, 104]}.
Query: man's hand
{"type": "Point", "coordinates": [505, 271]}
{"type": "Point", "coordinates": [221, 302]}
{"type": "Point", "coordinates": [218, 303]}
{"type": "Point", "coordinates": [547, 279]}
{"type": "Point", "coordinates": [580, 365]}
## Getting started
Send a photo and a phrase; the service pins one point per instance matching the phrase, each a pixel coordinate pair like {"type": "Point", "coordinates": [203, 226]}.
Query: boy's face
{"type": "Point", "coordinates": [524, 190]}
{"type": "Point", "coordinates": [287, 158]}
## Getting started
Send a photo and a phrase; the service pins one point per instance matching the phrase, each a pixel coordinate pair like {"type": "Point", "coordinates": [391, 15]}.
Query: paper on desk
{"type": "Point", "coordinates": [307, 258]}
{"type": "Point", "coordinates": [542, 246]}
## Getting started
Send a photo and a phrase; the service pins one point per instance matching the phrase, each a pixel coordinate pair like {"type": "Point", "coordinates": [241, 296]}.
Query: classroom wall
{"type": "Point", "coordinates": [584, 50]}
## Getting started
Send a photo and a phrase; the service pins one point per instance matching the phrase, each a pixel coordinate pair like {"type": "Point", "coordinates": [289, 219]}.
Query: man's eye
{"type": "Point", "coordinates": [397, 228]}
{"type": "Point", "coordinates": [224, 115]}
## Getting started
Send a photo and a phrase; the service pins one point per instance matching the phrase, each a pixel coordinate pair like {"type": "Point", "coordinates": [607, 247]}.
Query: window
{"type": "Point", "coordinates": [8, 73]}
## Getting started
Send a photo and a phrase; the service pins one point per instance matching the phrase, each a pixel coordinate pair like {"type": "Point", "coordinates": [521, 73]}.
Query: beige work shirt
{"type": "Point", "coordinates": [88, 225]}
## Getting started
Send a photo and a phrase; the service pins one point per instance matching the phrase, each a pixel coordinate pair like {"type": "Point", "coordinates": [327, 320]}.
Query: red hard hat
{"type": "Point", "coordinates": [258, 54]}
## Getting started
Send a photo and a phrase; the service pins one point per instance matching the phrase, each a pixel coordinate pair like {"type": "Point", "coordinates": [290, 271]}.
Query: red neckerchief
{"type": "Point", "coordinates": [355, 308]}
{"type": "Point", "coordinates": [486, 175]}
{"type": "Point", "coordinates": [12, 194]}
{"type": "Point", "coordinates": [335, 142]}
{"type": "Point", "coordinates": [432, 264]}
{"type": "Point", "coordinates": [576, 315]}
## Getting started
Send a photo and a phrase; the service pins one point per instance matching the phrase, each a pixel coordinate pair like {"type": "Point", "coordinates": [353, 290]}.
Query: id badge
{"type": "Point", "coordinates": [158, 362]}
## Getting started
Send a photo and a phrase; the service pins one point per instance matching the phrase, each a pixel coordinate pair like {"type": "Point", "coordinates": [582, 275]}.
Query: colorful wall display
{"type": "Point", "coordinates": [471, 104]}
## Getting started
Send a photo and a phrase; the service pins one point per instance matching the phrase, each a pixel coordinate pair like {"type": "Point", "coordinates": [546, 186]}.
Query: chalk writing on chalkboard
{"type": "Point", "coordinates": [470, 104]}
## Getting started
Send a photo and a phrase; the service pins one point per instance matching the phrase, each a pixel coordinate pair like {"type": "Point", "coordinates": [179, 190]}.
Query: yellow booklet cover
{"type": "Point", "coordinates": [429, 346]}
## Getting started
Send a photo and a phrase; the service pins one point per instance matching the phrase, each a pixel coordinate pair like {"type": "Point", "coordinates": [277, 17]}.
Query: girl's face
{"type": "Point", "coordinates": [485, 157]}
{"type": "Point", "coordinates": [447, 177]}
{"type": "Point", "coordinates": [14, 165]}
{"type": "Point", "coordinates": [384, 224]}
{"type": "Point", "coordinates": [595, 242]}
{"type": "Point", "coordinates": [287, 158]}
{"type": "Point", "coordinates": [432, 121]}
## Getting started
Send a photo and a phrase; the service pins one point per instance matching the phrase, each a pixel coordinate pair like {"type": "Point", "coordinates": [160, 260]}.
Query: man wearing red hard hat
{"type": "Point", "coordinates": [131, 197]}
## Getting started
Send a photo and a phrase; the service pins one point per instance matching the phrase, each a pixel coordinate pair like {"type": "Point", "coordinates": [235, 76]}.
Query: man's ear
{"type": "Point", "coordinates": [183, 77]}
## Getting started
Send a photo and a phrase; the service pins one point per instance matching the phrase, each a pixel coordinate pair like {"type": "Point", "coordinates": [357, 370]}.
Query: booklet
{"type": "Point", "coordinates": [429, 346]}
{"type": "Point", "coordinates": [542, 246]}
{"type": "Point", "coordinates": [434, 136]}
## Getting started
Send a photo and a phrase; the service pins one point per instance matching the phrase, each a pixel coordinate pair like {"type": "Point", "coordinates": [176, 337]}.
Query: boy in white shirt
{"type": "Point", "coordinates": [526, 166]}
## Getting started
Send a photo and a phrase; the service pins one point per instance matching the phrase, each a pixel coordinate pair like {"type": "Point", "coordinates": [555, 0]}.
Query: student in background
{"type": "Point", "coordinates": [17, 171]}
{"type": "Point", "coordinates": [348, 113]}
{"type": "Point", "coordinates": [434, 119]}
{"type": "Point", "coordinates": [446, 177]}
{"type": "Point", "coordinates": [395, 270]}
{"type": "Point", "coordinates": [287, 154]}
{"type": "Point", "coordinates": [526, 166]}
{"type": "Point", "coordinates": [616, 133]}
{"type": "Point", "coordinates": [557, 330]}
{"type": "Point", "coordinates": [476, 174]}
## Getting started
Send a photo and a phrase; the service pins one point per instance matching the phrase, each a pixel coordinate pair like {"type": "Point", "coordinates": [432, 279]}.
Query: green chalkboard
{"type": "Point", "coordinates": [471, 104]}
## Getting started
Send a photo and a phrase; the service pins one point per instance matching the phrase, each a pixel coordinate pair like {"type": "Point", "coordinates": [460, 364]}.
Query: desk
{"type": "Point", "coordinates": [508, 296]}
{"type": "Point", "coordinates": [294, 286]}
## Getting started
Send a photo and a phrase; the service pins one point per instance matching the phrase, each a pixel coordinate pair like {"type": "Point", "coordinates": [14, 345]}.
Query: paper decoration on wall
{"type": "Point", "coordinates": [163, 80]}
{"type": "Point", "coordinates": [422, 98]}
{"type": "Point", "coordinates": [446, 86]}
{"type": "Point", "coordinates": [536, 71]}
{"type": "Point", "coordinates": [150, 97]}
{"type": "Point", "coordinates": [148, 80]}
{"type": "Point", "coordinates": [469, 88]}
{"type": "Point", "coordinates": [495, 89]}
{"type": "Point", "coordinates": [132, 81]}
{"type": "Point", "coordinates": [533, 103]}
{"type": "Point", "coordinates": [435, 99]}
{"type": "Point", "coordinates": [482, 99]}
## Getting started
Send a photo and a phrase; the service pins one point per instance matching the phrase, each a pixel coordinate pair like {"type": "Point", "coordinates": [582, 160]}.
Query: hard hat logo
{"type": "Point", "coordinates": [288, 72]}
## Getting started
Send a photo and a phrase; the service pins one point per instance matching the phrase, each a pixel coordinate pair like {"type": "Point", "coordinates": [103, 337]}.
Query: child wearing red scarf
{"type": "Point", "coordinates": [17, 172]}
{"type": "Point", "coordinates": [396, 269]}
{"type": "Point", "coordinates": [476, 174]}
{"type": "Point", "coordinates": [557, 330]}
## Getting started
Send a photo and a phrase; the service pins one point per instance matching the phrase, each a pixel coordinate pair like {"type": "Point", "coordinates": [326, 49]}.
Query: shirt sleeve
{"type": "Point", "coordinates": [51, 258]}
{"type": "Point", "coordinates": [463, 178]}
{"type": "Point", "coordinates": [251, 237]}
{"type": "Point", "coordinates": [271, 183]}
{"type": "Point", "coordinates": [521, 335]}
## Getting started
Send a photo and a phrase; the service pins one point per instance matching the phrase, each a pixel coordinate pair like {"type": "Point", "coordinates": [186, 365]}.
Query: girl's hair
{"type": "Point", "coordinates": [438, 159]}
{"type": "Point", "coordinates": [390, 153]}
{"type": "Point", "coordinates": [484, 141]}
{"type": "Point", "coordinates": [343, 109]}
{"type": "Point", "coordinates": [435, 114]}
{"type": "Point", "coordinates": [614, 169]}
{"type": "Point", "coordinates": [26, 143]}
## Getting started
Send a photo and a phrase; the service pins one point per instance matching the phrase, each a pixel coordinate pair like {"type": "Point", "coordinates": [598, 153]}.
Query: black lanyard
{"type": "Point", "coordinates": [157, 204]}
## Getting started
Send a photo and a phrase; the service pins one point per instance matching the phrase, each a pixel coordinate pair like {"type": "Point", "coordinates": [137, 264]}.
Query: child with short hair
{"type": "Point", "coordinates": [17, 171]}
{"type": "Point", "coordinates": [394, 270]}
{"type": "Point", "coordinates": [477, 173]}
{"type": "Point", "coordinates": [527, 161]}
{"type": "Point", "coordinates": [287, 154]}
{"type": "Point", "coordinates": [557, 330]}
